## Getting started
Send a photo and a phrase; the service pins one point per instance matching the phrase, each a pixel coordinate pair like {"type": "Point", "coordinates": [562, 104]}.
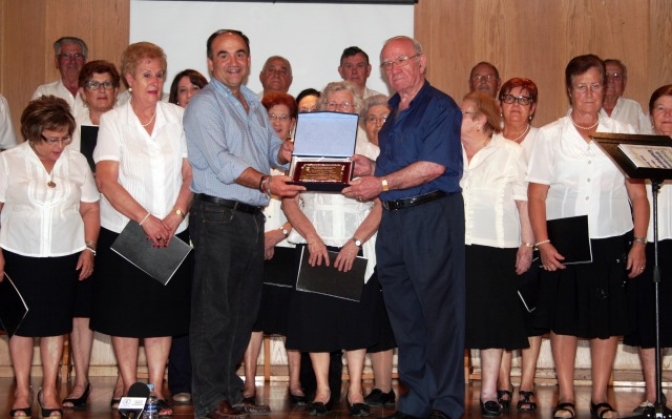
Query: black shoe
{"type": "Point", "coordinates": [504, 397]}
{"type": "Point", "coordinates": [437, 414]}
{"type": "Point", "coordinates": [598, 410]}
{"type": "Point", "coordinates": [47, 413]}
{"type": "Point", "coordinates": [79, 402]}
{"type": "Point", "coordinates": [28, 412]}
{"type": "Point", "coordinates": [490, 408]}
{"type": "Point", "coordinates": [399, 415]}
{"type": "Point", "coordinates": [378, 399]}
{"type": "Point", "coordinates": [359, 409]}
{"type": "Point", "coordinates": [297, 400]}
{"type": "Point", "coordinates": [318, 409]}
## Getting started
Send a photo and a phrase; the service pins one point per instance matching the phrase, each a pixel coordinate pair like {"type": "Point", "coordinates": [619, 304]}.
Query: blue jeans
{"type": "Point", "coordinates": [226, 290]}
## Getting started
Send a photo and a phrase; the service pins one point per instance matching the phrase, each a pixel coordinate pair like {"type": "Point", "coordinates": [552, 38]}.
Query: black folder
{"type": "Point", "coordinates": [571, 238]}
{"type": "Point", "coordinates": [89, 139]}
{"type": "Point", "coordinates": [329, 280]}
{"type": "Point", "coordinates": [160, 263]}
{"type": "Point", "coordinates": [13, 308]}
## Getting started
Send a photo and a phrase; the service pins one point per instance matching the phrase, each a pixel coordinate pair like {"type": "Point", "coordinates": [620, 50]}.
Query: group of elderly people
{"type": "Point", "coordinates": [57, 215]}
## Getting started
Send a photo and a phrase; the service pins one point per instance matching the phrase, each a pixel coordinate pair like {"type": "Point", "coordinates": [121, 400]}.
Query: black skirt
{"type": "Point", "coordinates": [494, 318]}
{"type": "Point", "coordinates": [48, 288]}
{"type": "Point", "coordinates": [320, 323]}
{"type": "Point", "coordinates": [641, 294]}
{"type": "Point", "coordinates": [276, 295]}
{"type": "Point", "coordinates": [129, 303]}
{"type": "Point", "coordinates": [589, 300]}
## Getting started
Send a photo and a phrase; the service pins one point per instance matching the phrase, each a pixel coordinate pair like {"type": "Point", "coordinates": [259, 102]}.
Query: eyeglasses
{"type": "Point", "coordinates": [65, 140]}
{"type": "Point", "coordinates": [614, 76]}
{"type": "Point", "coordinates": [481, 79]}
{"type": "Point", "coordinates": [95, 85]}
{"type": "Point", "coordinates": [522, 100]}
{"type": "Point", "coordinates": [281, 118]}
{"type": "Point", "coordinates": [376, 121]}
{"type": "Point", "coordinates": [69, 56]}
{"type": "Point", "coordinates": [399, 62]}
{"type": "Point", "coordinates": [340, 106]}
{"type": "Point", "coordinates": [583, 88]}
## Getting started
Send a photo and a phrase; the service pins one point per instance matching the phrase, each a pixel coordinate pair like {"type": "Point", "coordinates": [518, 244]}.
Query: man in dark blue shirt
{"type": "Point", "coordinates": [420, 244]}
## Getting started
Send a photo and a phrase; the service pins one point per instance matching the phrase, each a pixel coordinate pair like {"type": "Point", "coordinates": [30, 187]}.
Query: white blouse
{"type": "Point", "coordinates": [491, 184]}
{"type": "Point", "coordinates": [275, 218]}
{"type": "Point", "coordinates": [36, 220]}
{"type": "Point", "coordinates": [582, 179]}
{"type": "Point", "coordinates": [336, 218]}
{"type": "Point", "coordinates": [150, 166]}
{"type": "Point", "coordinates": [664, 211]}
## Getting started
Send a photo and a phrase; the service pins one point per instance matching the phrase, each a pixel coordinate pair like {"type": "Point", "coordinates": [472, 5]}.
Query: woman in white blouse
{"type": "Point", "coordinates": [143, 174]}
{"type": "Point", "coordinates": [569, 175]}
{"type": "Point", "coordinates": [497, 231]}
{"type": "Point", "coordinates": [50, 223]}
{"type": "Point", "coordinates": [322, 324]}
{"type": "Point", "coordinates": [518, 100]}
{"type": "Point", "coordinates": [642, 291]}
{"type": "Point", "coordinates": [98, 88]}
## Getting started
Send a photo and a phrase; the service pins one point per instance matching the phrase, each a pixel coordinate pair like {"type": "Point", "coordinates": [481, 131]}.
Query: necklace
{"type": "Point", "coordinates": [527, 128]}
{"type": "Point", "coordinates": [585, 128]}
{"type": "Point", "coordinates": [150, 121]}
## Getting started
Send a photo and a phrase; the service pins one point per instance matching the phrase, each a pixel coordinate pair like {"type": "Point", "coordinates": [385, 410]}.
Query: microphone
{"type": "Point", "coordinates": [132, 406]}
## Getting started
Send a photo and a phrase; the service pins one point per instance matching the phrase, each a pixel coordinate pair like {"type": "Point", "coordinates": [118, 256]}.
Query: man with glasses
{"type": "Point", "coordinates": [615, 105]}
{"type": "Point", "coordinates": [232, 147]}
{"type": "Point", "coordinates": [420, 246]}
{"type": "Point", "coordinates": [356, 69]}
{"type": "Point", "coordinates": [70, 57]}
{"type": "Point", "coordinates": [276, 76]}
{"type": "Point", "coordinates": [484, 77]}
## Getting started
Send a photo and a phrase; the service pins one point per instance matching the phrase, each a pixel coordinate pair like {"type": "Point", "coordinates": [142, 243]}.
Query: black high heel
{"type": "Point", "coordinates": [297, 400]}
{"type": "Point", "coordinates": [319, 408]}
{"type": "Point", "coordinates": [79, 402]}
{"type": "Point", "coordinates": [490, 408]}
{"type": "Point", "coordinates": [47, 413]}
{"type": "Point", "coordinates": [505, 403]}
{"type": "Point", "coordinates": [27, 410]}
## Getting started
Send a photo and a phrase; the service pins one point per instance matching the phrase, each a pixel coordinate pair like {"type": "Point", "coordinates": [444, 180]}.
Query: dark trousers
{"type": "Point", "coordinates": [179, 365]}
{"type": "Point", "coordinates": [226, 290]}
{"type": "Point", "coordinates": [420, 261]}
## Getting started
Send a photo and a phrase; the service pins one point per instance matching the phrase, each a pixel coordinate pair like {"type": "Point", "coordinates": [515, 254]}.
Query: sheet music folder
{"type": "Point", "coordinates": [89, 139]}
{"type": "Point", "coordinates": [570, 236]}
{"type": "Point", "coordinates": [13, 308]}
{"type": "Point", "coordinates": [159, 263]}
{"type": "Point", "coordinates": [610, 143]}
{"type": "Point", "coordinates": [328, 280]}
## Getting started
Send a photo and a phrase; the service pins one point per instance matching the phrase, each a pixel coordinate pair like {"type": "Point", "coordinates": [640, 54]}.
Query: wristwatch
{"type": "Point", "coordinates": [285, 232]}
{"type": "Point", "coordinates": [179, 212]}
{"type": "Point", "coordinates": [358, 242]}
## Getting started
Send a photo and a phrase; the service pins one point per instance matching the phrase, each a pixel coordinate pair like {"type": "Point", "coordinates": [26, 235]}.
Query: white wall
{"type": "Point", "coordinates": [311, 36]}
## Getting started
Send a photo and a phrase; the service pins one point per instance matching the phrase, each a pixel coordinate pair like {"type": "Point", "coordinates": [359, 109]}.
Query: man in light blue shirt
{"type": "Point", "coordinates": [232, 147]}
